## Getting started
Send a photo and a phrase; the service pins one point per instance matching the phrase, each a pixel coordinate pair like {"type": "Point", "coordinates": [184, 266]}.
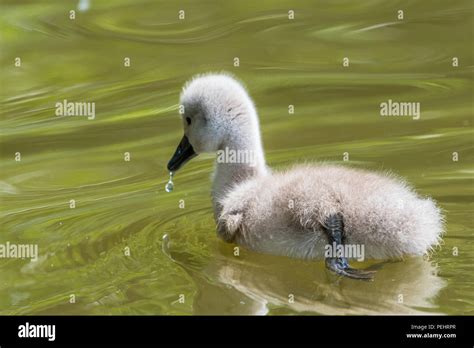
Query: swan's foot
{"type": "Point", "coordinates": [340, 266]}
{"type": "Point", "coordinates": [335, 232]}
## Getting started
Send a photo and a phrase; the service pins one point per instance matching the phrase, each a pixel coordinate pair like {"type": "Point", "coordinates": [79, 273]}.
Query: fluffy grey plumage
{"type": "Point", "coordinates": [284, 212]}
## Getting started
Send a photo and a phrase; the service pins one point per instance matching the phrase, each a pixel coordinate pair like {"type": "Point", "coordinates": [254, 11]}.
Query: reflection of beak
{"type": "Point", "coordinates": [183, 153]}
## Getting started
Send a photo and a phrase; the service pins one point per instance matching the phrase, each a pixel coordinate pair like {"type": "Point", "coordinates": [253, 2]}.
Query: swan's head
{"type": "Point", "coordinates": [216, 111]}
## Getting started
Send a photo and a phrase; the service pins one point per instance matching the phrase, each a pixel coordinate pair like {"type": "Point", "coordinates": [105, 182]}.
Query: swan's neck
{"type": "Point", "coordinates": [238, 159]}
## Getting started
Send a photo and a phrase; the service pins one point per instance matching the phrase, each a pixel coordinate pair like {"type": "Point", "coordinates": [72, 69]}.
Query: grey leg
{"type": "Point", "coordinates": [335, 231]}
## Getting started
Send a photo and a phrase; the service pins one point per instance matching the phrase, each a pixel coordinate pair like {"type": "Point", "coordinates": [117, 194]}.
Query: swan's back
{"type": "Point", "coordinates": [379, 211]}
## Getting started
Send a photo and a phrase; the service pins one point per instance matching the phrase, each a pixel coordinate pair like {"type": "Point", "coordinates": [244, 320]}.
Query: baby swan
{"type": "Point", "coordinates": [303, 210]}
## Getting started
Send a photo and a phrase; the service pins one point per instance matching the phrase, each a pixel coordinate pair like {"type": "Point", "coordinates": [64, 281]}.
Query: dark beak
{"type": "Point", "coordinates": [183, 153]}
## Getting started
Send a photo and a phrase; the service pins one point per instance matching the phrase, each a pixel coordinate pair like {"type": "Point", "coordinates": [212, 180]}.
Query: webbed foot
{"type": "Point", "coordinates": [340, 266]}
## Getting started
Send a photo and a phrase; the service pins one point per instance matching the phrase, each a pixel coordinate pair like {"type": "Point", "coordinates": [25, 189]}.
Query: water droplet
{"type": "Point", "coordinates": [169, 186]}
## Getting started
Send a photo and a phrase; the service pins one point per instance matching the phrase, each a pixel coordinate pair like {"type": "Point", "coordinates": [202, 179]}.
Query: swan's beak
{"type": "Point", "coordinates": [183, 153]}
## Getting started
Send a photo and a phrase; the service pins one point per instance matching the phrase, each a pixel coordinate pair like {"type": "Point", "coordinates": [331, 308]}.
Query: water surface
{"type": "Point", "coordinates": [122, 205]}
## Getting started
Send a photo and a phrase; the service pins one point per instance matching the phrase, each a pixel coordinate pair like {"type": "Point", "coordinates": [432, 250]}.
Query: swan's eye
{"type": "Point", "coordinates": [188, 120]}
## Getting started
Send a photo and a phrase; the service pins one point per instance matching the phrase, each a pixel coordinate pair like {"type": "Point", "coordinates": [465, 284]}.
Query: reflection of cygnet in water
{"type": "Point", "coordinates": [407, 287]}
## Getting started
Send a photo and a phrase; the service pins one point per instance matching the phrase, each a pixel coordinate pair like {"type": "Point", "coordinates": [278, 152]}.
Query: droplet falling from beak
{"type": "Point", "coordinates": [170, 186]}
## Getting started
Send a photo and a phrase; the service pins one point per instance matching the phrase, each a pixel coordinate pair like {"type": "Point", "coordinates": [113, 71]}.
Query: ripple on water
{"type": "Point", "coordinates": [124, 204]}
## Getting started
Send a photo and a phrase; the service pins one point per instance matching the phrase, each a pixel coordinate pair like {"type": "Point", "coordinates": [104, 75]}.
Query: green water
{"type": "Point", "coordinates": [122, 205]}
